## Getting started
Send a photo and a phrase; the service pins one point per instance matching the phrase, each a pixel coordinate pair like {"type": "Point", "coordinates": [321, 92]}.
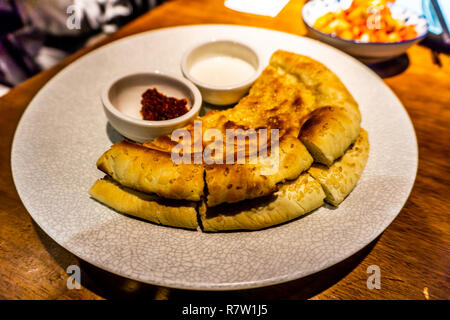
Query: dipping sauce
{"type": "Point", "coordinates": [222, 71]}
{"type": "Point", "coordinates": [158, 106]}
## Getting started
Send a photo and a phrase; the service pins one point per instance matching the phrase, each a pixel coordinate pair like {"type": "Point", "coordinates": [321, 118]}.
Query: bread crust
{"type": "Point", "coordinates": [341, 177]}
{"type": "Point", "coordinates": [292, 200]}
{"type": "Point", "coordinates": [150, 207]}
{"type": "Point", "coordinates": [326, 87]}
{"type": "Point", "coordinates": [152, 171]}
{"type": "Point", "coordinates": [328, 132]}
{"type": "Point", "coordinates": [234, 183]}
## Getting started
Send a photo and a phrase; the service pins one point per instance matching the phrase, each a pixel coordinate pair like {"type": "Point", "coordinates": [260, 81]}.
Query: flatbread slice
{"type": "Point", "coordinates": [234, 183]}
{"type": "Point", "coordinates": [282, 98]}
{"type": "Point", "coordinates": [326, 87]}
{"type": "Point", "coordinates": [173, 213]}
{"type": "Point", "coordinates": [292, 200]}
{"type": "Point", "coordinates": [328, 133]}
{"type": "Point", "coordinates": [277, 100]}
{"type": "Point", "coordinates": [341, 177]}
{"type": "Point", "coordinates": [152, 171]}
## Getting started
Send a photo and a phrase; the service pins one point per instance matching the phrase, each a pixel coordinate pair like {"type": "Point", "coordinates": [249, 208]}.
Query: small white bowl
{"type": "Point", "coordinates": [369, 52]}
{"type": "Point", "coordinates": [216, 94]}
{"type": "Point", "coordinates": [121, 100]}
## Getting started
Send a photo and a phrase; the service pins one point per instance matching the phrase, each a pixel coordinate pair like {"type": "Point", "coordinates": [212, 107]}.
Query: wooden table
{"type": "Point", "coordinates": [413, 253]}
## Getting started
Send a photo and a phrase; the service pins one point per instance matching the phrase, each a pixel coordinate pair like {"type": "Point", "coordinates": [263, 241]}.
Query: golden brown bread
{"type": "Point", "coordinates": [292, 200]}
{"type": "Point", "coordinates": [237, 182]}
{"type": "Point", "coordinates": [173, 213]}
{"type": "Point", "coordinates": [316, 117]}
{"type": "Point", "coordinates": [340, 178]}
{"type": "Point", "coordinates": [234, 183]}
{"type": "Point", "coordinates": [328, 132]}
{"type": "Point", "coordinates": [277, 100]}
{"type": "Point", "coordinates": [152, 171]}
{"type": "Point", "coordinates": [326, 87]}
{"type": "Point", "coordinates": [282, 98]}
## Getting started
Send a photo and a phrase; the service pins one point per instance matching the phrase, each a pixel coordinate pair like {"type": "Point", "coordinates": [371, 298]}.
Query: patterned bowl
{"type": "Point", "coordinates": [368, 52]}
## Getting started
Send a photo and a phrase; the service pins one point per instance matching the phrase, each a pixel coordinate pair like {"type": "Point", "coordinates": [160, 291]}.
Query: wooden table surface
{"type": "Point", "coordinates": [413, 253]}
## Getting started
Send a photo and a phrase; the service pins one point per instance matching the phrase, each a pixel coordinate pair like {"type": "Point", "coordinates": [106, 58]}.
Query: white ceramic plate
{"type": "Point", "coordinates": [64, 131]}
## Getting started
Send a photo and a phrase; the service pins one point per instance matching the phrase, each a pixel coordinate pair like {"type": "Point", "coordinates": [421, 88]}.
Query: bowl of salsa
{"type": "Point", "coordinates": [370, 30]}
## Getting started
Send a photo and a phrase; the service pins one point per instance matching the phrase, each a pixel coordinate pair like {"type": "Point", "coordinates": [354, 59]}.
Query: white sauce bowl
{"type": "Point", "coordinates": [224, 51]}
{"type": "Point", "coordinates": [121, 100]}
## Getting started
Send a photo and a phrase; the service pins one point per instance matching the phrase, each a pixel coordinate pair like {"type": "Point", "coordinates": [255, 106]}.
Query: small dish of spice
{"type": "Point", "coordinates": [143, 106]}
{"type": "Point", "coordinates": [158, 106]}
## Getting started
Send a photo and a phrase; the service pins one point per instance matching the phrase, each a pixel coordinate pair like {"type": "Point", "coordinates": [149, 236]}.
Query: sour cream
{"type": "Point", "coordinates": [222, 71]}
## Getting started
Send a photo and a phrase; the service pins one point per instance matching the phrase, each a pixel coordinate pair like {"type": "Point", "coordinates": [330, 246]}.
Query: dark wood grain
{"type": "Point", "coordinates": [413, 253]}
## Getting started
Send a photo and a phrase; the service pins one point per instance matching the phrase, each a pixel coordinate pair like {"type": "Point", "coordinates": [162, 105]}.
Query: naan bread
{"type": "Point", "coordinates": [237, 182]}
{"type": "Point", "coordinates": [340, 178]}
{"type": "Point", "coordinates": [328, 132]}
{"type": "Point", "coordinates": [327, 88]}
{"type": "Point", "coordinates": [152, 171]}
{"type": "Point", "coordinates": [173, 213]}
{"type": "Point", "coordinates": [292, 200]}
{"type": "Point", "coordinates": [317, 120]}
{"type": "Point", "coordinates": [277, 100]}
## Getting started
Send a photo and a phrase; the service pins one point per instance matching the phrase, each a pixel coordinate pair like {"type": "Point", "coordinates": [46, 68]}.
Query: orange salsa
{"type": "Point", "coordinates": [366, 21]}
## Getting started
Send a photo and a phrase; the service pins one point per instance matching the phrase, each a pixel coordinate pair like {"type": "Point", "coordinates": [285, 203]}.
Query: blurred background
{"type": "Point", "coordinates": [36, 34]}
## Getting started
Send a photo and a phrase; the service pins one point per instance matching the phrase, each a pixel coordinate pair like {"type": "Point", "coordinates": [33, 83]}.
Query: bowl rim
{"type": "Point", "coordinates": [195, 106]}
{"type": "Point", "coordinates": [419, 37]}
{"type": "Point", "coordinates": [204, 85]}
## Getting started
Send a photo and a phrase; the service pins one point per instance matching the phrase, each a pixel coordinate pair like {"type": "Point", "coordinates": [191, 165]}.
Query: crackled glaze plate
{"type": "Point", "coordinates": [64, 131]}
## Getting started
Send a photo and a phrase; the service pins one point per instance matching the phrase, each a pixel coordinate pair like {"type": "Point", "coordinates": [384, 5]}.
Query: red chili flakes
{"type": "Point", "coordinates": [158, 106]}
